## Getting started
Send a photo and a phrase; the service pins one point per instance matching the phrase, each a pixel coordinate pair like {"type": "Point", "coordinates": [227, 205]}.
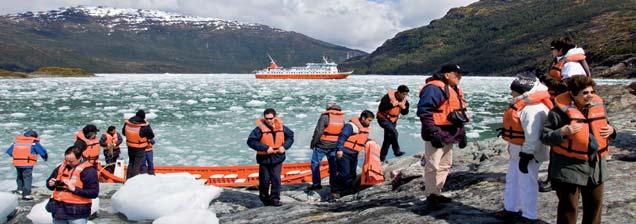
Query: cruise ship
{"type": "Point", "coordinates": [325, 70]}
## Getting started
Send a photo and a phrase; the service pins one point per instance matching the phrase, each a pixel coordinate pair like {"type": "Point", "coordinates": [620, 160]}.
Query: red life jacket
{"type": "Point", "coordinates": [333, 129]}
{"type": "Point", "coordinates": [72, 175]}
{"type": "Point", "coordinates": [91, 153]}
{"type": "Point", "coordinates": [372, 167]}
{"type": "Point", "coordinates": [22, 151]}
{"type": "Point", "coordinates": [394, 113]}
{"type": "Point", "coordinates": [357, 142]}
{"type": "Point", "coordinates": [133, 135]}
{"type": "Point", "coordinates": [273, 138]}
{"type": "Point", "coordinates": [111, 139]}
{"type": "Point", "coordinates": [512, 130]}
{"type": "Point", "coordinates": [576, 146]}
{"type": "Point", "coordinates": [455, 101]}
{"type": "Point", "coordinates": [557, 65]}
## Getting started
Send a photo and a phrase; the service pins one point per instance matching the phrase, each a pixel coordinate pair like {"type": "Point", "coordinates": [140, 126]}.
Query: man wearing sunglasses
{"type": "Point", "coordinates": [270, 139]}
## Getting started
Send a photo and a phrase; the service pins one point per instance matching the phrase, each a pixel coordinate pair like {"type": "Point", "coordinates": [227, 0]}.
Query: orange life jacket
{"type": "Point", "coordinates": [512, 130]}
{"type": "Point", "coordinates": [273, 138]}
{"type": "Point", "coordinates": [22, 151]}
{"type": "Point", "coordinates": [73, 175]}
{"type": "Point", "coordinates": [111, 139]}
{"type": "Point", "coordinates": [372, 167]}
{"type": "Point", "coordinates": [333, 129]}
{"type": "Point", "coordinates": [394, 113]}
{"type": "Point", "coordinates": [576, 146]}
{"type": "Point", "coordinates": [357, 142]}
{"type": "Point", "coordinates": [91, 153]}
{"type": "Point", "coordinates": [133, 135]}
{"type": "Point", "coordinates": [557, 65]}
{"type": "Point", "coordinates": [454, 101]}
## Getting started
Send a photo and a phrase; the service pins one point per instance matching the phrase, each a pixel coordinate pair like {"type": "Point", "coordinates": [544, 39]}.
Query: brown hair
{"type": "Point", "coordinates": [577, 83]}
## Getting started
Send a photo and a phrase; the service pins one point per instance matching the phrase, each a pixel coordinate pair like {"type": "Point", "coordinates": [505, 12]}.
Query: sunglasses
{"type": "Point", "coordinates": [269, 118]}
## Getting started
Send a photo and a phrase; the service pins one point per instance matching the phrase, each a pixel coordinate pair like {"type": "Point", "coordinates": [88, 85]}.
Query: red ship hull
{"type": "Point", "coordinates": [304, 76]}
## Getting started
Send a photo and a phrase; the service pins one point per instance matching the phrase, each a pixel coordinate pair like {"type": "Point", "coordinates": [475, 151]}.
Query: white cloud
{"type": "Point", "coordinates": [359, 24]}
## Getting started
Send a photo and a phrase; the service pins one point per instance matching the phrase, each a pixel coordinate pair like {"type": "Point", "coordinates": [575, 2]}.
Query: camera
{"type": "Point", "coordinates": [59, 185]}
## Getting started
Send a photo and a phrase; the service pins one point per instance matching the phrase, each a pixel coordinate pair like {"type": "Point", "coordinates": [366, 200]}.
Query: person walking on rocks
{"type": "Point", "coordinates": [138, 135]}
{"type": "Point", "coordinates": [270, 139]}
{"type": "Point", "coordinates": [111, 141]}
{"type": "Point", "coordinates": [391, 106]}
{"type": "Point", "coordinates": [578, 131]}
{"type": "Point", "coordinates": [522, 127]}
{"type": "Point", "coordinates": [25, 151]}
{"type": "Point", "coordinates": [442, 112]}
{"type": "Point", "coordinates": [323, 143]}
{"type": "Point", "coordinates": [351, 141]}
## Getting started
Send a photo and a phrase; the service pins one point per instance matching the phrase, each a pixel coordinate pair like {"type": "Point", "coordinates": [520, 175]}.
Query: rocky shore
{"type": "Point", "coordinates": [46, 72]}
{"type": "Point", "coordinates": [476, 185]}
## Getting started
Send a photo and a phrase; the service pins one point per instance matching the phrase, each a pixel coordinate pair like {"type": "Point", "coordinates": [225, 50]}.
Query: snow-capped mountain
{"type": "Point", "coordinates": [104, 39]}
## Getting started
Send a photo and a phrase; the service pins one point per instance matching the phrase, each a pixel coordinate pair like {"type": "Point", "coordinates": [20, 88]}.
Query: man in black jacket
{"type": "Point", "coordinates": [391, 106]}
{"type": "Point", "coordinates": [138, 135]}
{"type": "Point", "coordinates": [74, 185]}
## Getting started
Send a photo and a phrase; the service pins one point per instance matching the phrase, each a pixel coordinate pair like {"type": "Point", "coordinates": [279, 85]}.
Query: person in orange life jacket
{"type": "Point", "coordinates": [111, 141]}
{"type": "Point", "coordinates": [578, 131]}
{"type": "Point", "coordinates": [138, 133]}
{"type": "Point", "coordinates": [74, 184]}
{"type": "Point", "coordinates": [147, 165]}
{"type": "Point", "coordinates": [351, 141]}
{"type": "Point", "coordinates": [87, 141]}
{"type": "Point", "coordinates": [439, 98]}
{"type": "Point", "coordinates": [522, 126]}
{"type": "Point", "coordinates": [24, 153]}
{"type": "Point", "coordinates": [391, 106]}
{"type": "Point", "coordinates": [270, 139]}
{"type": "Point", "coordinates": [323, 142]}
{"type": "Point", "coordinates": [569, 60]}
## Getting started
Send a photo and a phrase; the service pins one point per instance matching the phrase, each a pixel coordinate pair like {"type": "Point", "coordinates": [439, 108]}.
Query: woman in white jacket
{"type": "Point", "coordinates": [523, 124]}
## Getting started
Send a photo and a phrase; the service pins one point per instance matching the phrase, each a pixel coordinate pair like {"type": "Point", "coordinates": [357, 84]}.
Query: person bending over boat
{"type": "Point", "coordinates": [351, 141]}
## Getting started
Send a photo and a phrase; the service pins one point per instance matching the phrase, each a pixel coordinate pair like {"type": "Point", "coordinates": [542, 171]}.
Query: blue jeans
{"type": "Point", "coordinates": [316, 157]}
{"type": "Point", "coordinates": [147, 166]}
{"type": "Point", "coordinates": [74, 221]}
{"type": "Point", "coordinates": [24, 179]}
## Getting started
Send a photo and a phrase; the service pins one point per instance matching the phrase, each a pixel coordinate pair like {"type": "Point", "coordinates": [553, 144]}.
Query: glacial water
{"type": "Point", "coordinates": [204, 120]}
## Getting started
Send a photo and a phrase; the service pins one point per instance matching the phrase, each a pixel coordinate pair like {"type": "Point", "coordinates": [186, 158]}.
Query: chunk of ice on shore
{"type": "Point", "coordinates": [147, 197]}
{"type": "Point", "coordinates": [8, 204]}
{"type": "Point", "coordinates": [198, 216]}
{"type": "Point", "coordinates": [39, 215]}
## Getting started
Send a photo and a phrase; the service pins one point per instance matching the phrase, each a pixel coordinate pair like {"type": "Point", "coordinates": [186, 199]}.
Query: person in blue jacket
{"type": "Point", "coordinates": [24, 153]}
{"type": "Point", "coordinates": [351, 141]}
{"type": "Point", "coordinates": [270, 139]}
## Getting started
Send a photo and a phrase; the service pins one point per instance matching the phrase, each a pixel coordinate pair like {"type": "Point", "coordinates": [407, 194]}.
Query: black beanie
{"type": "Point", "coordinates": [141, 114]}
{"type": "Point", "coordinates": [522, 84]}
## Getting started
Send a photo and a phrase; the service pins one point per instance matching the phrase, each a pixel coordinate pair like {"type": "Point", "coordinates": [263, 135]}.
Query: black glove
{"type": "Point", "coordinates": [524, 159]}
{"type": "Point", "coordinates": [463, 142]}
{"type": "Point", "coordinates": [436, 141]}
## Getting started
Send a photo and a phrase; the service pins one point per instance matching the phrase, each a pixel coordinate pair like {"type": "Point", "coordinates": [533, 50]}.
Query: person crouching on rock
{"type": "Point", "coordinates": [270, 139]}
{"type": "Point", "coordinates": [351, 141]}
{"type": "Point", "coordinates": [442, 112]}
{"type": "Point", "coordinates": [522, 126]}
{"type": "Point", "coordinates": [578, 131]}
{"type": "Point", "coordinates": [74, 185]}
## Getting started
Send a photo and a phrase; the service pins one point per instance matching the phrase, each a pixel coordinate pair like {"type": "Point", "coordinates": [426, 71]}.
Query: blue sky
{"type": "Point", "coordinates": [359, 24]}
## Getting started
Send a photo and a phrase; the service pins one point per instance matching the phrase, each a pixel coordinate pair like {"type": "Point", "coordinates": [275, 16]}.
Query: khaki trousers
{"type": "Point", "coordinates": [438, 163]}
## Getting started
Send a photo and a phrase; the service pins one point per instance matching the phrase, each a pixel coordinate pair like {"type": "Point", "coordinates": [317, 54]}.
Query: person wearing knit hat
{"type": "Point", "coordinates": [139, 137]}
{"type": "Point", "coordinates": [522, 127]}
